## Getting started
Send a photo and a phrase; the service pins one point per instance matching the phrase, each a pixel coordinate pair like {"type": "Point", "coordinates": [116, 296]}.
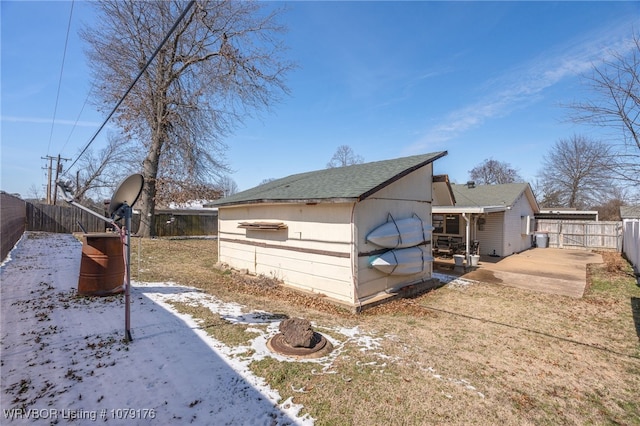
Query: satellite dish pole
{"type": "Point", "coordinates": [121, 206]}
{"type": "Point", "coordinates": [126, 212]}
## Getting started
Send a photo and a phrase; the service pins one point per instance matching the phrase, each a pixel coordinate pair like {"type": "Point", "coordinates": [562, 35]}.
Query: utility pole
{"type": "Point", "coordinates": [52, 190]}
{"type": "Point", "coordinates": [50, 158]}
{"type": "Point", "coordinates": [58, 171]}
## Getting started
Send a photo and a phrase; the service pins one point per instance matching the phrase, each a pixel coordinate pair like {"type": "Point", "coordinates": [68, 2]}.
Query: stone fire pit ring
{"type": "Point", "coordinates": [298, 340]}
{"type": "Point", "coordinates": [321, 347]}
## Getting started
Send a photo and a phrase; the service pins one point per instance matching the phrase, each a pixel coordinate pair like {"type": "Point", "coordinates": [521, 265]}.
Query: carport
{"type": "Point", "coordinates": [546, 270]}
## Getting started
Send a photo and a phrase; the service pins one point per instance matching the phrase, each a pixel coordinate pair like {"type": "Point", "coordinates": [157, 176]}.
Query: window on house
{"type": "Point", "coordinates": [438, 223]}
{"type": "Point", "coordinates": [452, 224]}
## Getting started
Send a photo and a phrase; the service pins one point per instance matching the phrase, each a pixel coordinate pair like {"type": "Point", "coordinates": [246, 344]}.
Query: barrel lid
{"type": "Point", "coordinates": [101, 235]}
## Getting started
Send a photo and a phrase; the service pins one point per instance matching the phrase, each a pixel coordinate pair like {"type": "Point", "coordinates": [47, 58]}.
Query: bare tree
{"type": "Point", "coordinates": [492, 172]}
{"type": "Point", "coordinates": [609, 209]}
{"type": "Point", "coordinates": [576, 173]}
{"type": "Point", "coordinates": [35, 193]}
{"type": "Point", "coordinates": [99, 173]}
{"type": "Point", "coordinates": [227, 186]}
{"type": "Point", "coordinates": [221, 64]}
{"type": "Point", "coordinates": [615, 84]}
{"type": "Point", "coordinates": [344, 156]}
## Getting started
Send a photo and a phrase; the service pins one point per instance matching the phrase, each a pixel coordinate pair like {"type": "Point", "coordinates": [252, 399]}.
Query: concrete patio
{"type": "Point", "coordinates": [547, 270]}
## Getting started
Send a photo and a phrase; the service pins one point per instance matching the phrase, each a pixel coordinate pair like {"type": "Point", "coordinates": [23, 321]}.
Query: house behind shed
{"type": "Point", "coordinates": [310, 230]}
{"type": "Point", "coordinates": [499, 218]}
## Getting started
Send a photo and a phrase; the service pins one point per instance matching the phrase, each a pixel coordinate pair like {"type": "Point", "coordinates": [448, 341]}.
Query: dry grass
{"type": "Point", "coordinates": [477, 354]}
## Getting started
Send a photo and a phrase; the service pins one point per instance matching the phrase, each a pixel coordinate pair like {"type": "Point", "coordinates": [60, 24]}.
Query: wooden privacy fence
{"type": "Point", "coordinates": [186, 223]}
{"type": "Point", "coordinates": [582, 234]}
{"type": "Point", "coordinates": [67, 219]}
{"type": "Point", "coordinates": [632, 242]}
{"type": "Point", "coordinates": [62, 219]}
{"type": "Point", "coordinates": [18, 216]}
{"type": "Point", "coordinates": [12, 226]}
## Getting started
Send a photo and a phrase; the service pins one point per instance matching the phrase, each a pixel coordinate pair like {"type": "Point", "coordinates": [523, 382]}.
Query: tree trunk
{"type": "Point", "coordinates": [147, 198]}
{"type": "Point", "coordinates": [147, 209]}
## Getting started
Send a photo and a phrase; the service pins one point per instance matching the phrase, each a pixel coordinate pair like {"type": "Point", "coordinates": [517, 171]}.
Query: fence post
{"type": "Point", "coordinates": [560, 235]}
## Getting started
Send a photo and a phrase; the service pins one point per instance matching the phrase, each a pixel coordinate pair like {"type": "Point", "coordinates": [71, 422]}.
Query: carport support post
{"type": "Point", "coordinates": [467, 236]}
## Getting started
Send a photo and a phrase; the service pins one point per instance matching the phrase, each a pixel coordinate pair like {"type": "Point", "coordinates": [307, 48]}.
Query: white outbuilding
{"type": "Point", "coordinates": [358, 234]}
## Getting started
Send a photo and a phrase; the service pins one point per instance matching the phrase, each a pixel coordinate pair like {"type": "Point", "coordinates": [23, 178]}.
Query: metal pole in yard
{"type": "Point", "coordinates": [127, 291]}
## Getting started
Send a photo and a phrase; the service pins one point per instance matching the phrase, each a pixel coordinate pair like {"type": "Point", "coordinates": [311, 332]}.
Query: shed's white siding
{"type": "Point", "coordinates": [313, 253]}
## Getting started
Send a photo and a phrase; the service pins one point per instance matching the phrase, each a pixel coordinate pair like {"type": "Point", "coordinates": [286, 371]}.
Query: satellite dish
{"type": "Point", "coordinates": [127, 193]}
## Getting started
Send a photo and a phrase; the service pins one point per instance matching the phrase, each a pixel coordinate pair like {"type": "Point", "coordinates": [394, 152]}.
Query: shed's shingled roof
{"type": "Point", "coordinates": [350, 183]}
{"type": "Point", "coordinates": [488, 195]}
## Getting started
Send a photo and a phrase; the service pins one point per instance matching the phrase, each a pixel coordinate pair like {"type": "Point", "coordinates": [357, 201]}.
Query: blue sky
{"type": "Point", "coordinates": [389, 79]}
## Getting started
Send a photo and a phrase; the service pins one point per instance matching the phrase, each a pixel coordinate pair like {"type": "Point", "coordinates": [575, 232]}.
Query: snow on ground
{"type": "Point", "coordinates": [452, 281]}
{"type": "Point", "coordinates": [64, 359]}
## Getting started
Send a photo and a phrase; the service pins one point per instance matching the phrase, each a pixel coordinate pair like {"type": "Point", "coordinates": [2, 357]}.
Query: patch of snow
{"type": "Point", "coordinates": [460, 382]}
{"type": "Point", "coordinates": [192, 205]}
{"type": "Point", "coordinates": [453, 281]}
{"type": "Point", "coordinates": [9, 255]}
{"type": "Point", "coordinates": [364, 341]}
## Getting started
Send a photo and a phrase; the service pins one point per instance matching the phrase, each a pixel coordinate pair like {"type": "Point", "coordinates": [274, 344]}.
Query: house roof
{"type": "Point", "coordinates": [339, 184]}
{"type": "Point", "coordinates": [488, 198]}
{"type": "Point", "coordinates": [630, 212]}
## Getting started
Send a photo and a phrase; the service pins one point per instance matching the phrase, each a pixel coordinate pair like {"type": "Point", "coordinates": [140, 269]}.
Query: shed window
{"type": "Point", "coordinates": [452, 224]}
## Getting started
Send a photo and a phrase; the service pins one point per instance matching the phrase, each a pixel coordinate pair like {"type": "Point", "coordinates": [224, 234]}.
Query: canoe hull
{"type": "Point", "coordinates": [401, 233]}
{"type": "Point", "coordinates": [406, 261]}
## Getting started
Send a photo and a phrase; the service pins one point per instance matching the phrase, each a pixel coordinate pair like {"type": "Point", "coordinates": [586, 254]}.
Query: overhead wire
{"type": "Point", "coordinates": [75, 124]}
{"type": "Point", "coordinates": [135, 80]}
{"type": "Point", "coordinates": [64, 55]}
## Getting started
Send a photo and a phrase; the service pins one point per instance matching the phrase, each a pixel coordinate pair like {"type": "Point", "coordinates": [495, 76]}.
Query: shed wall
{"type": "Point", "coordinates": [402, 199]}
{"type": "Point", "coordinates": [313, 253]}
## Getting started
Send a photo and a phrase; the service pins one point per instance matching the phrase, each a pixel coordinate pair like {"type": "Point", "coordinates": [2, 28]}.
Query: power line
{"type": "Point", "coordinates": [75, 124]}
{"type": "Point", "coordinates": [144, 68]}
{"type": "Point", "coordinates": [64, 55]}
